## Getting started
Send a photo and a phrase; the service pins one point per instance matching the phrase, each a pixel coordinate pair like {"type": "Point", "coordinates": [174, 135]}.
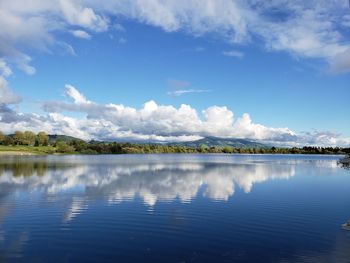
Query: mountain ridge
{"type": "Point", "coordinates": [209, 141]}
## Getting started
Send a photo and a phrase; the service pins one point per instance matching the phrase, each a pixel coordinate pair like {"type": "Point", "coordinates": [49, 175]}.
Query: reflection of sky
{"type": "Point", "coordinates": [68, 186]}
{"type": "Point", "coordinates": [149, 180]}
{"type": "Point", "coordinates": [152, 178]}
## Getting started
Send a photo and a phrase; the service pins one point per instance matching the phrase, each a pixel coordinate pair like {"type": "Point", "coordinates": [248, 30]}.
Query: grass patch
{"type": "Point", "coordinates": [28, 149]}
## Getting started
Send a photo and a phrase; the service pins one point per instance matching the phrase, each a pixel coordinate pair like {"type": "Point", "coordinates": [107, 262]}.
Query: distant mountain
{"type": "Point", "coordinates": [220, 142]}
{"type": "Point", "coordinates": [207, 142]}
{"type": "Point", "coordinates": [64, 138]}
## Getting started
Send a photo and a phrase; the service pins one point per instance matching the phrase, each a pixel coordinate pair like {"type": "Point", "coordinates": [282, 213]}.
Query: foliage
{"type": "Point", "coordinates": [2, 137]}
{"type": "Point", "coordinates": [63, 147]}
{"type": "Point", "coordinates": [42, 139]}
{"type": "Point", "coordinates": [18, 138]}
{"type": "Point", "coordinates": [28, 138]}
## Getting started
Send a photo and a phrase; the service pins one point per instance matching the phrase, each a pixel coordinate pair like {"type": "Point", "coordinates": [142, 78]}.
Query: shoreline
{"type": "Point", "coordinates": [24, 153]}
{"type": "Point", "coordinates": [120, 149]}
{"type": "Point", "coordinates": [17, 153]}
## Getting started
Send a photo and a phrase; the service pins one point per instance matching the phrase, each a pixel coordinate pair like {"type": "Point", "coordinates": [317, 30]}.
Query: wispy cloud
{"type": "Point", "coordinates": [305, 29]}
{"type": "Point", "coordinates": [122, 40]}
{"type": "Point", "coordinates": [180, 92]}
{"type": "Point", "coordinates": [233, 53]}
{"type": "Point", "coordinates": [80, 34]}
{"type": "Point", "coordinates": [118, 27]}
{"type": "Point", "coordinates": [180, 87]}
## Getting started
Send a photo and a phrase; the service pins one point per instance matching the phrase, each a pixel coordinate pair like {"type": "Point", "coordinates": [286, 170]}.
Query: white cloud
{"type": "Point", "coordinates": [32, 26]}
{"type": "Point", "coordinates": [153, 122]}
{"type": "Point", "coordinates": [180, 92]}
{"type": "Point", "coordinates": [118, 27]}
{"type": "Point", "coordinates": [311, 29]}
{"type": "Point", "coordinates": [80, 34]}
{"type": "Point", "coordinates": [5, 70]}
{"type": "Point", "coordinates": [66, 48]}
{"type": "Point", "coordinates": [180, 87]}
{"type": "Point", "coordinates": [22, 62]}
{"type": "Point", "coordinates": [305, 29]}
{"type": "Point", "coordinates": [78, 15]}
{"type": "Point", "coordinates": [75, 95]}
{"type": "Point", "coordinates": [233, 53]}
{"type": "Point", "coordinates": [6, 95]}
{"type": "Point", "coordinates": [150, 179]}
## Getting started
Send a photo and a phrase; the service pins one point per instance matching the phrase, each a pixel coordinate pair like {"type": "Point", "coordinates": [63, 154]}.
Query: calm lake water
{"type": "Point", "coordinates": [174, 208]}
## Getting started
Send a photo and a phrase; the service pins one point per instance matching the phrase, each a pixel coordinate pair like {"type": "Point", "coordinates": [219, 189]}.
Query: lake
{"type": "Point", "coordinates": [174, 208]}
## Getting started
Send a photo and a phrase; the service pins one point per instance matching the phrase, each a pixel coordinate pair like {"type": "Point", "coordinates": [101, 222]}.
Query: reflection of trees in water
{"type": "Point", "coordinates": [24, 168]}
{"type": "Point", "coordinates": [345, 166]}
{"type": "Point", "coordinates": [20, 168]}
{"type": "Point", "coordinates": [344, 162]}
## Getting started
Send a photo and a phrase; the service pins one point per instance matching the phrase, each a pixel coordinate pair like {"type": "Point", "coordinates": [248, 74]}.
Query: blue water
{"type": "Point", "coordinates": [174, 208]}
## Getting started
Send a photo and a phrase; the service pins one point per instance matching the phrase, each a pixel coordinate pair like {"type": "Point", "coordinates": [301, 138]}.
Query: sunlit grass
{"type": "Point", "coordinates": [28, 149]}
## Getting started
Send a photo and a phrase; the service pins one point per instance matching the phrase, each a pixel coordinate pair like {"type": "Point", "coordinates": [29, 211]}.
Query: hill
{"type": "Point", "coordinates": [220, 142]}
{"type": "Point", "coordinates": [65, 138]}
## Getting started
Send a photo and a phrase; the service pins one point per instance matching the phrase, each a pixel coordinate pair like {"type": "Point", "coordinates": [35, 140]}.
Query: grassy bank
{"type": "Point", "coordinates": [20, 149]}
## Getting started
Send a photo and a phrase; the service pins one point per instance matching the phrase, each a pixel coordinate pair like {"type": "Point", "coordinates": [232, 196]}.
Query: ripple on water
{"type": "Point", "coordinates": [174, 208]}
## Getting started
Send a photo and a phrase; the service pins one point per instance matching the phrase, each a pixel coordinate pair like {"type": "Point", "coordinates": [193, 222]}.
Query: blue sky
{"type": "Point", "coordinates": [292, 78]}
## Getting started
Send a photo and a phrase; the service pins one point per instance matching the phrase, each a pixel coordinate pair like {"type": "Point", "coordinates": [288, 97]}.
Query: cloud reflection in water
{"type": "Point", "coordinates": [148, 179]}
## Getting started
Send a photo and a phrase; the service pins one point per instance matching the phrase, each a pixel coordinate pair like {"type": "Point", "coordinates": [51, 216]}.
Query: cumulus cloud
{"type": "Point", "coordinates": [152, 122]}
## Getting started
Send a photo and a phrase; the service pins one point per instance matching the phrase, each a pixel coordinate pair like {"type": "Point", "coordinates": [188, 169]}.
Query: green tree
{"type": "Point", "coordinates": [227, 149]}
{"type": "Point", "coordinates": [18, 138]}
{"type": "Point", "coordinates": [8, 141]}
{"type": "Point", "coordinates": [42, 139]}
{"type": "Point", "coordinates": [63, 147]}
{"type": "Point", "coordinates": [2, 137]}
{"type": "Point", "coordinates": [29, 138]}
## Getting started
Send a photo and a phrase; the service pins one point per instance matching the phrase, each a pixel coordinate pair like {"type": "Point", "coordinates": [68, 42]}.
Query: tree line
{"type": "Point", "coordinates": [123, 148]}
{"type": "Point", "coordinates": [29, 138]}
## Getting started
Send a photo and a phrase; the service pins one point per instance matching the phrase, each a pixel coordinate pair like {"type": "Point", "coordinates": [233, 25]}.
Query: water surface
{"type": "Point", "coordinates": [174, 208]}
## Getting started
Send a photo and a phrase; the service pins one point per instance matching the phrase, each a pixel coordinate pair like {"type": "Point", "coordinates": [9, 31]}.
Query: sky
{"type": "Point", "coordinates": [150, 70]}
